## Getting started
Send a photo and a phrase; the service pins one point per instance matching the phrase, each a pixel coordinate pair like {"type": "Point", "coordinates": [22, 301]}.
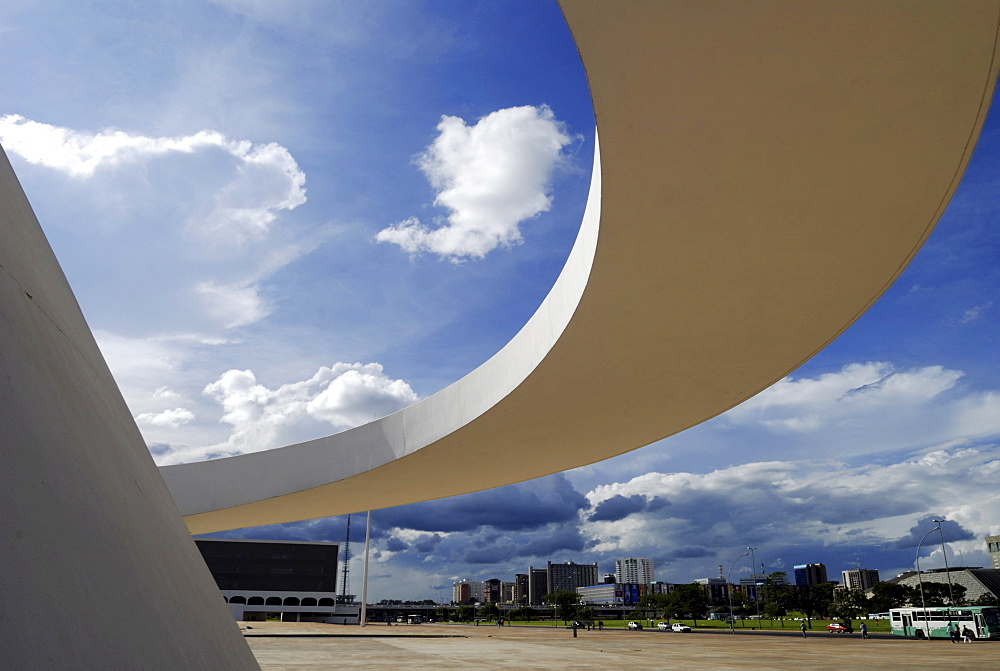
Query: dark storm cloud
{"type": "Point", "coordinates": [520, 507]}
{"type": "Point", "coordinates": [539, 544]}
{"type": "Point", "coordinates": [656, 503]}
{"type": "Point", "coordinates": [427, 543]}
{"type": "Point", "coordinates": [618, 507]}
{"type": "Point", "coordinates": [690, 552]}
{"type": "Point", "coordinates": [953, 531]}
{"type": "Point", "coordinates": [395, 545]}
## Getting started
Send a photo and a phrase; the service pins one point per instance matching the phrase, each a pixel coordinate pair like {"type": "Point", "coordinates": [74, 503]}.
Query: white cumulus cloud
{"type": "Point", "coordinates": [858, 390]}
{"type": "Point", "coordinates": [490, 177]}
{"type": "Point", "coordinates": [168, 418]}
{"type": "Point", "coordinates": [342, 396]}
{"type": "Point", "coordinates": [267, 179]}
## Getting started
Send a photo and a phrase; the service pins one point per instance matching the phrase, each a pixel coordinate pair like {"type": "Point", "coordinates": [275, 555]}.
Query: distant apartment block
{"type": "Point", "coordinates": [993, 547]}
{"type": "Point", "coordinates": [570, 575]}
{"type": "Point", "coordinates": [492, 592]}
{"type": "Point", "coordinates": [634, 570]}
{"type": "Point", "coordinates": [860, 578]}
{"type": "Point", "coordinates": [810, 574]}
{"type": "Point", "coordinates": [538, 580]}
{"type": "Point", "coordinates": [467, 591]}
{"type": "Point", "coordinates": [521, 589]}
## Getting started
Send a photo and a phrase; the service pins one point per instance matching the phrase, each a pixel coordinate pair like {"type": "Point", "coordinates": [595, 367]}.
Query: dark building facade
{"type": "Point", "coordinates": [295, 580]}
{"type": "Point", "coordinates": [271, 565]}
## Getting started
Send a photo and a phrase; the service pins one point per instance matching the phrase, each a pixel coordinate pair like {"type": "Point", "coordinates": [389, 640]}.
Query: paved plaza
{"type": "Point", "coordinates": [426, 646]}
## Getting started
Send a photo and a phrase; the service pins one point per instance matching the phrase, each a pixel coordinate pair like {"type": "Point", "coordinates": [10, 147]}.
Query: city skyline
{"type": "Point", "coordinates": [244, 198]}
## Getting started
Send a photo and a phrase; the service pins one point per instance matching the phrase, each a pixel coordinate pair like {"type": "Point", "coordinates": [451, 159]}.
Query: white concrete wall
{"type": "Point", "coordinates": [97, 569]}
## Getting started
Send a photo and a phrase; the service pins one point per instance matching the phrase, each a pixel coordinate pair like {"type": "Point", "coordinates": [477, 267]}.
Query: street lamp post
{"type": "Point", "coordinates": [729, 590]}
{"type": "Point", "coordinates": [753, 576]}
{"type": "Point", "coordinates": [947, 571]}
{"type": "Point", "coordinates": [920, 580]}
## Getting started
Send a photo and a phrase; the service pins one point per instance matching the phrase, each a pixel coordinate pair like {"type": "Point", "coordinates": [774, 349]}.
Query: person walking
{"type": "Point", "coordinates": [864, 630]}
{"type": "Point", "coordinates": [967, 634]}
{"type": "Point", "coordinates": [803, 628]}
{"type": "Point", "coordinates": [952, 632]}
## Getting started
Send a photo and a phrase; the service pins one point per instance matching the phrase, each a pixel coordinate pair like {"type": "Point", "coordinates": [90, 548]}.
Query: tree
{"type": "Point", "coordinates": [444, 613]}
{"type": "Point", "coordinates": [814, 600]}
{"type": "Point", "coordinates": [986, 599]}
{"type": "Point", "coordinates": [565, 602]}
{"type": "Point", "coordinates": [889, 595]}
{"type": "Point", "coordinates": [465, 613]}
{"type": "Point", "coordinates": [777, 596]}
{"type": "Point", "coordinates": [649, 606]}
{"type": "Point", "coordinates": [849, 603]}
{"type": "Point", "coordinates": [741, 607]}
{"type": "Point", "coordinates": [524, 613]}
{"type": "Point", "coordinates": [489, 611]}
{"type": "Point", "coordinates": [687, 601]}
{"type": "Point", "coordinates": [936, 594]}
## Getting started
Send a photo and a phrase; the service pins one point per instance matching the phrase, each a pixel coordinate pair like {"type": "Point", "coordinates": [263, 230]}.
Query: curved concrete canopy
{"type": "Point", "coordinates": [766, 170]}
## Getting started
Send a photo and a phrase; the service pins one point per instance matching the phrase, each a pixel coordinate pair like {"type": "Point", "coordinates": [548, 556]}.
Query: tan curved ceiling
{"type": "Point", "coordinates": [766, 170]}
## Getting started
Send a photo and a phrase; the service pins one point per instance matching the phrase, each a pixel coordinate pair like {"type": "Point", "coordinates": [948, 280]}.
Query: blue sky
{"type": "Point", "coordinates": [282, 219]}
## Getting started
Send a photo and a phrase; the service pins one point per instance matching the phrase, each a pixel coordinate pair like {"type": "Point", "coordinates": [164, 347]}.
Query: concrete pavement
{"type": "Point", "coordinates": [317, 646]}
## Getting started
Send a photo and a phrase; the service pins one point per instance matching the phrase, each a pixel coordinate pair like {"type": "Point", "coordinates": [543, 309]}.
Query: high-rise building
{"type": "Point", "coordinates": [860, 578]}
{"type": "Point", "coordinates": [468, 591]}
{"type": "Point", "coordinates": [491, 590]}
{"type": "Point", "coordinates": [538, 580]}
{"type": "Point", "coordinates": [461, 592]}
{"type": "Point", "coordinates": [810, 574]}
{"type": "Point", "coordinates": [993, 547]}
{"type": "Point", "coordinates": [570, 575]}
{"type": "Point", "coordinates": [521, 589]}
{"type": "Point", "coordinates": [634, 569]}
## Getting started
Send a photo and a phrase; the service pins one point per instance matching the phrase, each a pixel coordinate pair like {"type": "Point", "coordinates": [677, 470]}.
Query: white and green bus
{"type": "Point", "coordinates": [932, 622]}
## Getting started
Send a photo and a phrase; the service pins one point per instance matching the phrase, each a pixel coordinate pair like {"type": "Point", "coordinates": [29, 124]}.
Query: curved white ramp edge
{"type": "Point", "coordinates": [766, 171]}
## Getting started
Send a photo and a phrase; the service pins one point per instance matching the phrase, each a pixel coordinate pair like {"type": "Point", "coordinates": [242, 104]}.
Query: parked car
{"type": "Point", "coordinates": [680, 628]}
{"type": "Point", "coordinates": [839, 628]}
{"type": "Point", "coordinates": [662, 626]}
{"type": "Point", "coordinates": [635, 625]}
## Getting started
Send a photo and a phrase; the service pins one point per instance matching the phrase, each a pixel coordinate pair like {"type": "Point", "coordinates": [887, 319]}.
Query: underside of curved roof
{"type": "Point", "coordinates": [765, 171]}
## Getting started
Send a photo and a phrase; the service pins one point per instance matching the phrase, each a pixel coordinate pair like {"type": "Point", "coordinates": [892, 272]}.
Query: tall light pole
{"type": "Point", "coordinates": [729, 590]}
{"type": "Point", "coordinates": [947, 571]}
{"type": "Point", "coordinates": [923, 604]}
{"type": "Point", "coordinates": [753, 576]}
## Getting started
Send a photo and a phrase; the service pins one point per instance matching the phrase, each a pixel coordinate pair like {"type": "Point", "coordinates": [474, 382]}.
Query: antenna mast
{"type": "Point", "coordinates": [346, 581]}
